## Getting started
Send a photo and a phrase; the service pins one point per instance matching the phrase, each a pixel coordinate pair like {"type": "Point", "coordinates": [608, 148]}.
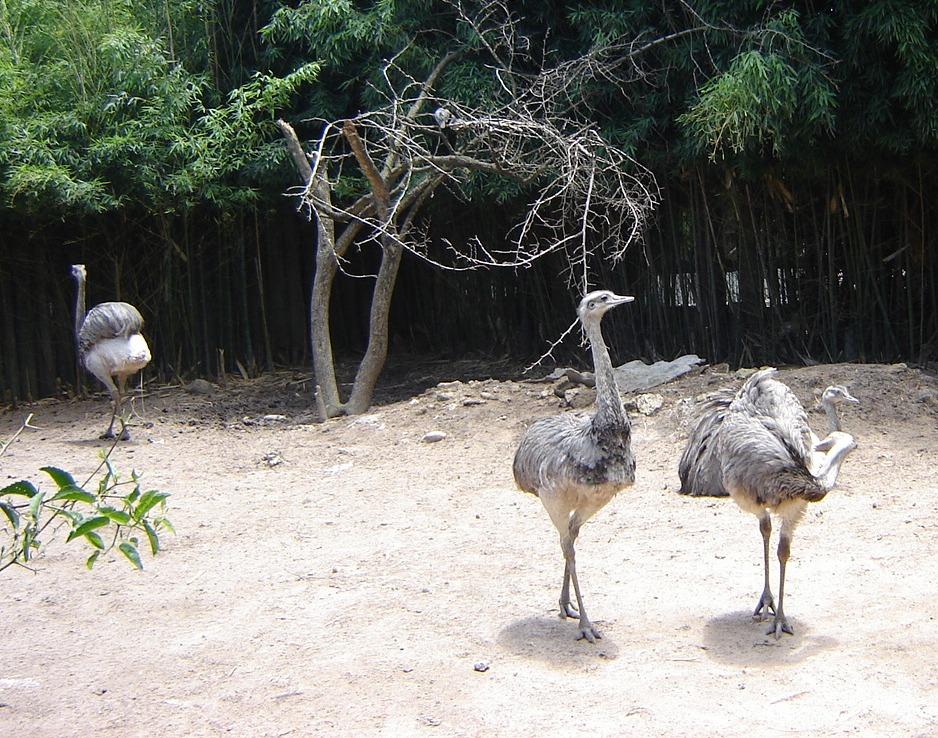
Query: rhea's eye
{"type": "Point", "coordinates": [591, 305]}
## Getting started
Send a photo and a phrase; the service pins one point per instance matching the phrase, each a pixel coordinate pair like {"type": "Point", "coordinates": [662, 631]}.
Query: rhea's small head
{"type": "Point", "coordinates": [79, 273]}
{"type": "Point", "coordinates": [836, 393]}
{"type": "Point", "coordinates": [595, 304]}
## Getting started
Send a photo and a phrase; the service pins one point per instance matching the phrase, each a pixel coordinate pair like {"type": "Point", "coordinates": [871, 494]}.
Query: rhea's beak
{"type": "Point", "coordinates": [621, 300]}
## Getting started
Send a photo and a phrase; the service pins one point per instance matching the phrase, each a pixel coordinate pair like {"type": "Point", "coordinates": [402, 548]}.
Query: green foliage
{"type": "Point", "coordinates": [339, 32]}
{"type": "Point", "coordinates": [239, 137]}
{"type": "Point", "coordinates": [354, 42]}
{"type": "Point", "coordinates": [96, 116]}
{"type": "Point", "coordinates": [162, 105]}
{"type": "Point", "coordinates": [754, 100]}
{"type": "Point", "coordinates": [105, 512]}
{"type": "Point", "coordinates": [890, 89]}
{"type": "Point", "coordinates": [767, 99]}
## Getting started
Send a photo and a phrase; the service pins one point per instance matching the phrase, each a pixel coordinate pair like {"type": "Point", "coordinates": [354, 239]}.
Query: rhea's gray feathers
{"type": "Point", "coordinates": [758, 459]}
{"type": "Point", "coordinates": [762, 394]}
{"type": "Point", "coordinates": [572, 450]}
{"type": "Point", "coordinates": [699, 468]}
{"type": "Point", "coordinates": [108, 320]}
{"type": "Point", "coordinates": [780, 430]}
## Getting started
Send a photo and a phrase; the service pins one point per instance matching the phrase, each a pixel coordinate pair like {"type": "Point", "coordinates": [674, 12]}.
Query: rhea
{"type": "Point", "coordinates": [110, 345]}
{"type": "Point", "coordinates": [576, 464]}
{"type": "Point", "coordinates": [758, 447]}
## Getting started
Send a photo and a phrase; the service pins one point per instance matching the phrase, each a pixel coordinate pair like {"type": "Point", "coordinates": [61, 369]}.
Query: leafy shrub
{"type": "Point", "coordinates": [100, 513]}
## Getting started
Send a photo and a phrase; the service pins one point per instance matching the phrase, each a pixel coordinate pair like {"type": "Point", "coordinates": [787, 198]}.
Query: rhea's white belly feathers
{"type": "Point", "coordinates": [112, 356]}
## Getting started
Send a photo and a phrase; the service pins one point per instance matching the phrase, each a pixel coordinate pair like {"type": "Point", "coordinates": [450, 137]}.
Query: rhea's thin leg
{"type": "Point", "coordinates": [566, 608]}
{"type": "Point", "coordinates": [766, 602]}
{"type": "Point", "coordinates": [780, 625]}
{"type": "Point", "coordinates": [115, 403]}
{"type": "Point", "coordinates": [121, 383]}
{"type": "Point", "coordinates": [587, 629]}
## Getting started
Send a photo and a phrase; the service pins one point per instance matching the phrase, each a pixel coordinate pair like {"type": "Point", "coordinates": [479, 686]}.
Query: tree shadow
{"type": "Point", "coordinates": [734, 638]}
{"type": "Point", "coordinates": [553, 641]}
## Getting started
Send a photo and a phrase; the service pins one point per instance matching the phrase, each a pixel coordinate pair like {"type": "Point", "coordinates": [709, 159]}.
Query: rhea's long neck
{"type": "Point", "coordinates": [608, 403]}
{"type": "Point", "coordinates": [833, 419]}
{"type": "Point", "coordinates": [829, 468]}
{"type": "Point", "coordinates": [79, 306]}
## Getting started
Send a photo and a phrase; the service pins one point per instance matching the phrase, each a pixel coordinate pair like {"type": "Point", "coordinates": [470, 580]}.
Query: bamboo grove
{"type": "Point", "coordinates": [793, 146]}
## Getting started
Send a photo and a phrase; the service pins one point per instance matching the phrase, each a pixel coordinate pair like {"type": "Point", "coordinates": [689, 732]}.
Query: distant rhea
{"type": "Point", "coordinates": [110, 344]}
{"type": "Point", "coordinates": [575, 464]}
{"type": "Point", "coordinates": [757, 447]}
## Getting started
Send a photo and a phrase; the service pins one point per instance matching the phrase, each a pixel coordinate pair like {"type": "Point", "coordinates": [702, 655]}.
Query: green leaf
{"type": "Point", "coordinates": [147, 502]}
{"type": "Point", "coordinates": [91, 559]}
{"type": "Point", "coordinates": [132, 556]}
{"type": "Point", "coordinates": [73, 494]}
{"type": "Point", "coordinates": [152, 537]}
{"type": "Point", "coordinates": [60, 477]}
{"type": "Point", "coordinates": [24, 488]}
{"type": "Point", "coordinates": [11, 513]}
{"type": "Point", "coordinates": [95, 540]}
{"type": "Point", "coordinates": [164, 523]}
{"type": "Point", "coordinates": [115, 516]}
{"type": "Point", "coordinates": [99, 521]}
{"type": "Point", "coordinates": [74, 516]}
{"type": "Point", "coordinates": [34, 506]}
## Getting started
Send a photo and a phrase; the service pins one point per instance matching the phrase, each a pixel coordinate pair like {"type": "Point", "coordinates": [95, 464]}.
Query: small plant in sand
{"type": "Point", "coordinates": [105, 511]}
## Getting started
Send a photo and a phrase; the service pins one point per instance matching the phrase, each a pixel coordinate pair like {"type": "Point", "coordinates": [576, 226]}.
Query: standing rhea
{"type": "Point", "coordinates": [109, 344]}
{"type": "Point", "coordinates": [760, 452]}
{"type": "Point", "coordinates": [576, 463]}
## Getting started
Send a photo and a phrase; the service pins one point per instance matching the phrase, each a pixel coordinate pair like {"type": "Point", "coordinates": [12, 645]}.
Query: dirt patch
{"type": "Point", "coordinates": [348, 578]}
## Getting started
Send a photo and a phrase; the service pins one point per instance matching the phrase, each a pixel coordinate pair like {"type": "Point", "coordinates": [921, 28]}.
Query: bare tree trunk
{"type": "Point", "coordinates": [373, 362]}
{"type": "Point", "coordinates": [323, 278]}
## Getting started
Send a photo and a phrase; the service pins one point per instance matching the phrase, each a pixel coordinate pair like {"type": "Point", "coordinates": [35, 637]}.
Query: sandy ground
{"type": "Point", "coordinates": [346, 578]}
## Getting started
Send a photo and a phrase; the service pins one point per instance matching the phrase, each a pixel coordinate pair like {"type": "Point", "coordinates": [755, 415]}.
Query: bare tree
{"type": "Point", "coordinates": [586, 197]}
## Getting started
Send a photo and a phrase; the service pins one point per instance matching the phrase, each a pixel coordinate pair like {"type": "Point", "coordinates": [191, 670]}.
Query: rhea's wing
{"type": "Point", "coordinates": [109, 320]}
{"type": "Point", "coordinates": [699, 468]}
{"type": "Point", "coordinates": [552, 449]}
{"type": "Point", "coordinates": [759, 462]}
{"type": "Point", "coordinates": [763, 395]}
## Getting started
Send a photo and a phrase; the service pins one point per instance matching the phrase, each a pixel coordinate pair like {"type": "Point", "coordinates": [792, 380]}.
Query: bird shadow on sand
{"type": "Point", "coordinates": [734, 638]}
{"type": "Point", "coordinates": [101, 443]}
{"type": "Point", "coordinates": [553, 641]}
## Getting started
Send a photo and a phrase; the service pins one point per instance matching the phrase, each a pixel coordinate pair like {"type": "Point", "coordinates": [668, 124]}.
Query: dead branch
{"type": "Point", "coordinates": [378, 186]}
{"type": "Point", "coordinates": [4, 445]}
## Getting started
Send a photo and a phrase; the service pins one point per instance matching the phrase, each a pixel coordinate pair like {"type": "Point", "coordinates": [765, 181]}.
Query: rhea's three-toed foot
{"type": "Point", "coordinates": [588, 631]}
{"type": "Point", "coordinates": [780, 625]}
{"type": "Point", "coordinates": [567, 610]}
{"type": "Point", "coordinates": [764, 606]}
